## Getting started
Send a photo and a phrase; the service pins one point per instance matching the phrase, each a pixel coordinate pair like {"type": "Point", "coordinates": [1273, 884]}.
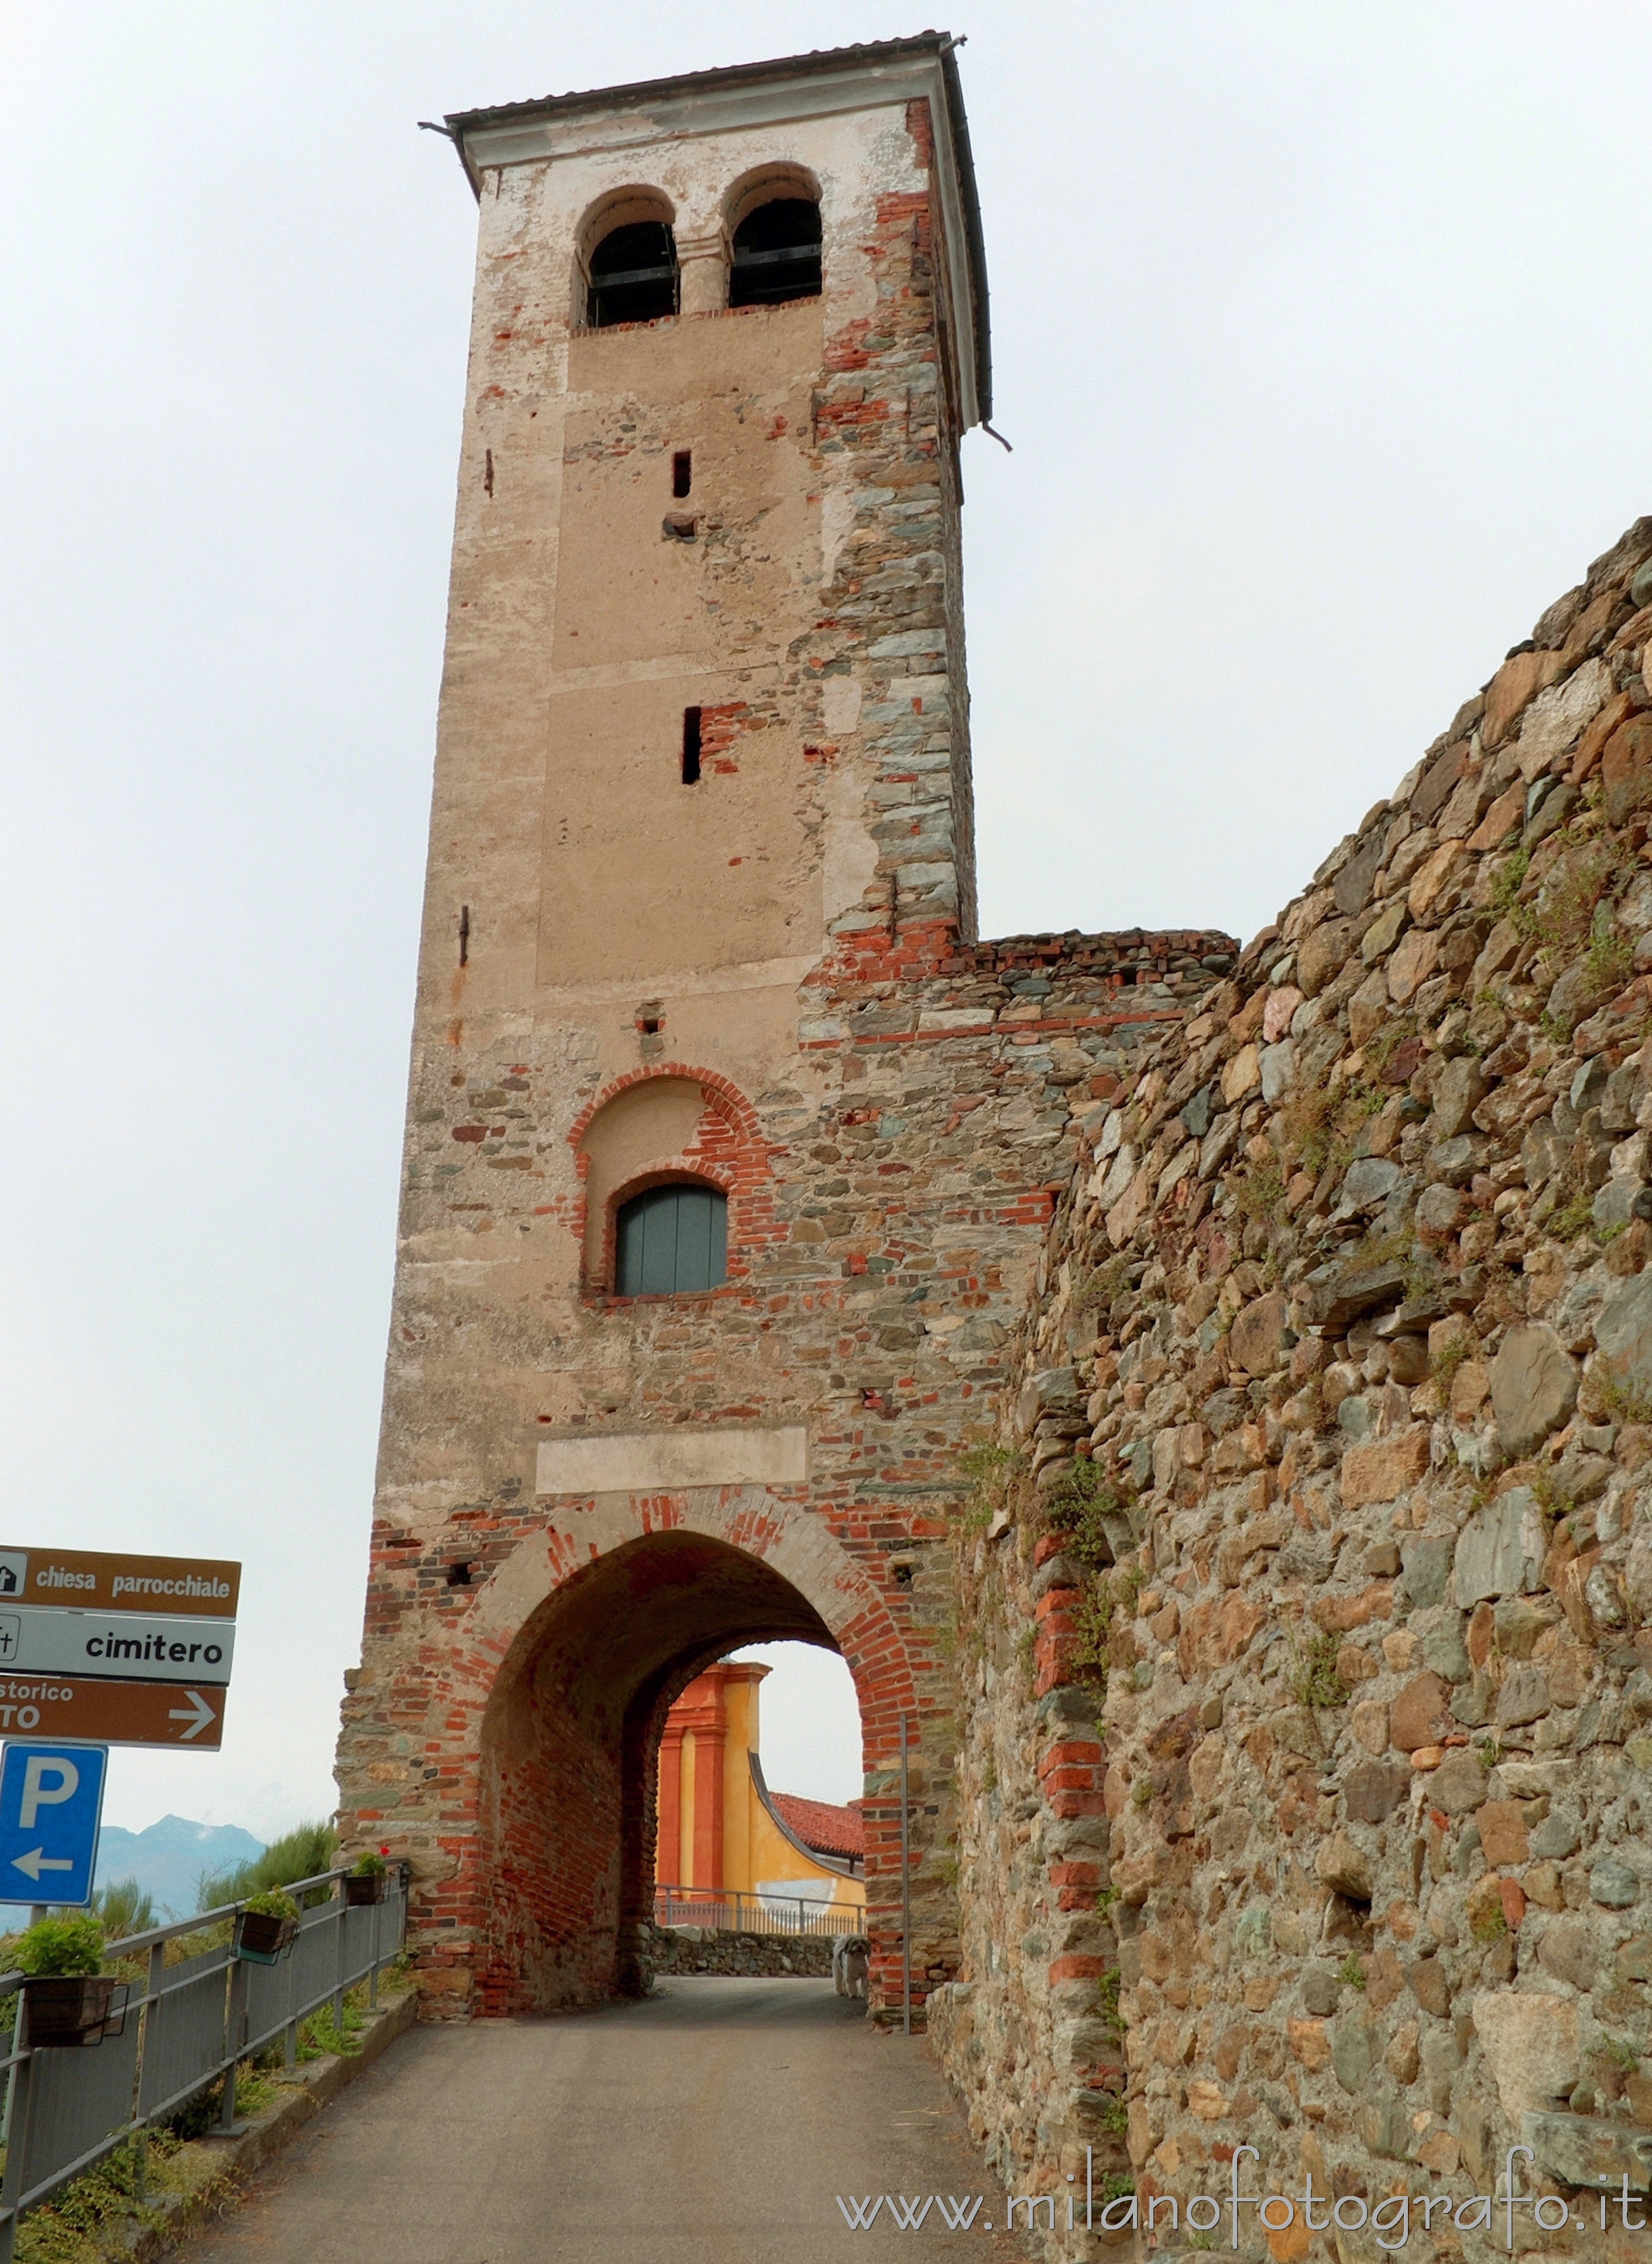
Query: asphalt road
{"type": "Point", "coordinates": [714, 2123]}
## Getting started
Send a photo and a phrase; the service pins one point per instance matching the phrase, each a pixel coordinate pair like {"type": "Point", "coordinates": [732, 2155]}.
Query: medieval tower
{"type": "Point", "coordinates": [729, 1149]}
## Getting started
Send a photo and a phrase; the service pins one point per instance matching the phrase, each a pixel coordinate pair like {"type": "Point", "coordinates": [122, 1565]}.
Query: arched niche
{"type": "Point", "coordinates": [655, 1130]}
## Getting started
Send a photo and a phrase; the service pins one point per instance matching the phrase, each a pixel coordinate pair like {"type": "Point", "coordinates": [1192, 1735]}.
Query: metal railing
{"type": "Point", "coordinates": [186, 2026]}
{"type": "Point", "coordinates": [730, 1911]}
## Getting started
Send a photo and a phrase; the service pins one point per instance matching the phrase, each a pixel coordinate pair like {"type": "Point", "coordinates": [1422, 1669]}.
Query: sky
{"type": "Point", "coordinates": [1320, 335]}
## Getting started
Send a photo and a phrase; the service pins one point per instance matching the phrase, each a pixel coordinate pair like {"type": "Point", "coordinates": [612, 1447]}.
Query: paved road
{"type": "Point", "coordinates": [713, 2125]}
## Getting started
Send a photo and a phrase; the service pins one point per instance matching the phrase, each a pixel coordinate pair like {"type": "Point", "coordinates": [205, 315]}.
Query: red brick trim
{"type": "Point", "coordinates": [736, 1106]}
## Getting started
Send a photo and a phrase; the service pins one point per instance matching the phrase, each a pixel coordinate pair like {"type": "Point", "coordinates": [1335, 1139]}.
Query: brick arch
{"type": "Point", "coordinates": [727, 1147]}
{"type": "Point", "coordinates": [727, 1094]}
{"type": "Point", "coordinates": [580, 1641]}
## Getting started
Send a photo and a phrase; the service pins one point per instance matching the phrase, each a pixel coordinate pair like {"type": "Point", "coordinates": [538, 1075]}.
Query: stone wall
{"type": "Point", "coordinates": [1304, 1640]}
{"type": "Point", "coordinates": [713, 1949]}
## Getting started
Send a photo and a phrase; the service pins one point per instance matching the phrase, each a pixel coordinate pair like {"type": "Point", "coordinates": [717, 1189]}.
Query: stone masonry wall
{"type": "Point", "coordinates": [1304, 1640]}
{"type": "Point", "coordinates": [713, 1949]}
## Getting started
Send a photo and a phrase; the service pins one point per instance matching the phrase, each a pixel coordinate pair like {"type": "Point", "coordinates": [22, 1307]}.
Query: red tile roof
{"type": "Point", "coordinates": [820, 1824]}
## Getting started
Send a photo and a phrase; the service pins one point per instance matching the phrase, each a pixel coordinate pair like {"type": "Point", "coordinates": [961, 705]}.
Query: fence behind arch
{"type": "Point", "coordinates": [731, 1911]}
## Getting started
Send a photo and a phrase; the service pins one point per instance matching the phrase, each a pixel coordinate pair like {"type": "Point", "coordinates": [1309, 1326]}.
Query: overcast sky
{"type": "Point", "coordinates": [1320, 333]}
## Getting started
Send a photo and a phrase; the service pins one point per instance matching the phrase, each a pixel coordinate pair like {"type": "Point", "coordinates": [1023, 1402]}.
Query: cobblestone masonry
{"type": "Point", "coordinates": [1306, 1635]}
{"type": "Point", "coordinates": [712, 1949]}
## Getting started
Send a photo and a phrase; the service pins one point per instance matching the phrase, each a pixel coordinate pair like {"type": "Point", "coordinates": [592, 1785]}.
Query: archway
{"type": "Point", "coordinates": [569, 1740]}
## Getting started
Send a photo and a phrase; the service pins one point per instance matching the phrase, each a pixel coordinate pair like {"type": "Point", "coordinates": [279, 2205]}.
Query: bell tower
{"type": "Point", "coordinates": [701, 831]}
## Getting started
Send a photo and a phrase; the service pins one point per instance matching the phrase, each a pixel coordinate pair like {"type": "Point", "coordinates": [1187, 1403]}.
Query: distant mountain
{"type": "Point", "coordinates": [168, 1859]}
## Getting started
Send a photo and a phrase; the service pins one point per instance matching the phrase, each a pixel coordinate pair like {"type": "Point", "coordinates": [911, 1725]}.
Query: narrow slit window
{"type": "Point", "coordinates": [690, 746]}
{"type": "Point", "coordinates": [682, 473]}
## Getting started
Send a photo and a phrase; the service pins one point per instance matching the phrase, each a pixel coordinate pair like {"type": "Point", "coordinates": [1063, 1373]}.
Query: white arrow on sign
{"type": "Point", "coordinates": [37, 1861]}
{"type": "Point", "coordinates": [197, 1720]}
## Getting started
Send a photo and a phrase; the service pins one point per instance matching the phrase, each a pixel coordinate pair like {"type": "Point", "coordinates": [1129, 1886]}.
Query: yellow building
{"type": "Point", "coordinates": [724, 1838]}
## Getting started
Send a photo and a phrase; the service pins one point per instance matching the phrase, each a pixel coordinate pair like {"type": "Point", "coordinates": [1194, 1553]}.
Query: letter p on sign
{"type": "Point", "coordinates": [36, 1795]}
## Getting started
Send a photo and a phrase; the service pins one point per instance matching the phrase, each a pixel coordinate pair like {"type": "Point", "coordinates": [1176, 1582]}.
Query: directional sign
{"type": "Point", "coordinates": [116, 1650]}
{"type": "Point", "coordinates": [68, 1707]}
{"type": "Point", "coordinates": [51, 1797]}
{"type": "Point", "coordinates": [125, 1646]}
{"type": "Point", "coordinates": [87, 1580]}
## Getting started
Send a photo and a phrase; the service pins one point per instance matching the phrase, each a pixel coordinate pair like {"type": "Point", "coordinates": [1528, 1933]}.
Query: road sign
{"type": "Point", "coordinates": [51, 1797]}
{"type": "Point", "coordinates": [119, 1650]}
{"type": "Point", "coordinates": [121, 1646]}
{"type": "Point", "coordinates": [85, 1579]}
{"type": "Point", "coordinates": [170, 1714]}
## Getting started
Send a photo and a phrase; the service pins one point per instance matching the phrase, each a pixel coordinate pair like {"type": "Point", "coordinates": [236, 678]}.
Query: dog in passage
{"type": "Point", "coordinates": [852, 1956]}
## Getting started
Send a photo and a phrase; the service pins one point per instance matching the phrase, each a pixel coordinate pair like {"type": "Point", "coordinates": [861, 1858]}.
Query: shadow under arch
{"type": "Point", "coordinates": [569, 1743]}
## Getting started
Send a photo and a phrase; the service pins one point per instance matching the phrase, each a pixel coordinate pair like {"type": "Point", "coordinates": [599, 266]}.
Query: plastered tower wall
{"type": "Point", "coordinates": [1305, 1655]}
{"type": "Point", "coordinates": [765, 981]}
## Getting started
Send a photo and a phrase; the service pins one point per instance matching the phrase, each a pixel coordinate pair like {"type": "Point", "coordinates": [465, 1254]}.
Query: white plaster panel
{"type": "Point", "coordinates": [653, 1461]}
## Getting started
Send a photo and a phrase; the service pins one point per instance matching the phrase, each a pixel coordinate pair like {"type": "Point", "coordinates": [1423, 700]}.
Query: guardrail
{"type": "Point", "coordinates": [186, 2025]}
{"type": "Point", "coordinates": [734, 1911]}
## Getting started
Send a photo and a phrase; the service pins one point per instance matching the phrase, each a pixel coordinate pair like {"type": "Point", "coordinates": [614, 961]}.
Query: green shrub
{"type": "Point", "coordinates": [303, 1853]}
{"type": "Point", "coordinates": [1077, 1508]}
{"type": "Point", "coordinates": [369, 1866]}
{"type": "Point", "coordinates": [56, 1947]}
{"type": "Point", "coordinates": [125, 1908]}
{"type": "Point", "coordinates": [96, 2217]}
{"type": "Point", "coordinates": [272, 1902]}
{"type": "Point", "coordinates": [1115, 2116]}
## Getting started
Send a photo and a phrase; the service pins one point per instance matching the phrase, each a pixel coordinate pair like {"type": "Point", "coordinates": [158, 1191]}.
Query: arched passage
{"type": "Point", "coordinates": [570, 1733]}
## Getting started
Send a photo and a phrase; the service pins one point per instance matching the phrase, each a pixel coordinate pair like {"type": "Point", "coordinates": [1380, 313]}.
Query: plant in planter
{"type": "Point", "coordinates": [267, 1927]}
{"type": "Point", "coordinates": [68, 2001]}
{"type": "Point", "coordinates": [365, 1882]}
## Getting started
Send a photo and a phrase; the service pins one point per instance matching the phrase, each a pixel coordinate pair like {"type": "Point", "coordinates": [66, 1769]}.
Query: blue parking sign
{"type": "Point", "coordinates": [51, 1798]}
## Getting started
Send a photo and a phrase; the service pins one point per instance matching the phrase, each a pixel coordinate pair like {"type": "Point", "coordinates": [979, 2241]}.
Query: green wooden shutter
{"type": "Point", "coordinates": [672, 1241]}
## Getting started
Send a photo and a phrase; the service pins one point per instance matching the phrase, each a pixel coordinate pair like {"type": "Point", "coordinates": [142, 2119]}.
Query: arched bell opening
{"type": "Point", "coordinates": [626, 266]}
{"type": "Point", "coordinates": [777, 254]}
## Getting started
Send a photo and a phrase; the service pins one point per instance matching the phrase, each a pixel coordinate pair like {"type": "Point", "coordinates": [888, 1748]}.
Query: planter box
{"type": "Point", "coordinates": [80, 2009]}
{"type": "Point", "coordinates": [365, 1890]}
{"type": "Point", "coordinates": [261, 1938]}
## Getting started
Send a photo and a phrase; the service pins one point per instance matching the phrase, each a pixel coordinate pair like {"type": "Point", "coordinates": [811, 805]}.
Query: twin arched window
{"type": "Point", "coordinates": [634, 275]}
{"type": "Point", "coordinates": [672, 1241]}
